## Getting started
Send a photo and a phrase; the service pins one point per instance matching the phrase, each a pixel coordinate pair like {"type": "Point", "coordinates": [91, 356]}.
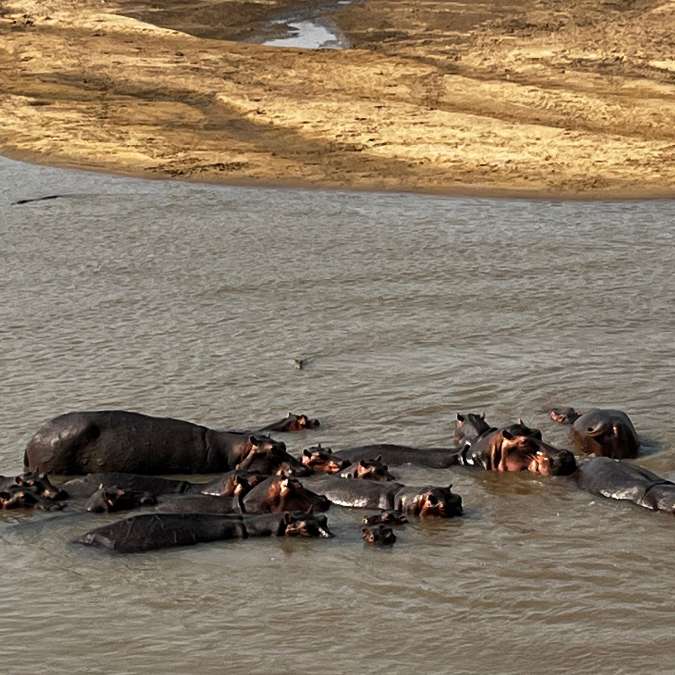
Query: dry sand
{"type": "Point", "coordinates": [571, 98]}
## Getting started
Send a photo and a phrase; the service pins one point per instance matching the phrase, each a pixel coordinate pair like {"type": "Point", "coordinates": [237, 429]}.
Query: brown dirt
{"type": "Point", "coordinates": [541, 97]}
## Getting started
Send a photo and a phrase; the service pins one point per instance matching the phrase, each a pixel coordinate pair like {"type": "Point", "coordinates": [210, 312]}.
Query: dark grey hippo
{"type": "Point", "coordinates": [117, 440]}
{"type": "Point", "coordinates": [147, 532]}
{"type": "Point", "coordinates": [615, 479]}
{"type": "Point", "coordinates": [603, 432]}
{"type": "Point", "coordinates": [389, 496]}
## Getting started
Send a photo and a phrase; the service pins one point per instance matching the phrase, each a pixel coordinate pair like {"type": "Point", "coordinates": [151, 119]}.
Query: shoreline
{"type": "Point", "coordinates": [507, 104]}
{"type": "Point", "coordinates": [470, 192]}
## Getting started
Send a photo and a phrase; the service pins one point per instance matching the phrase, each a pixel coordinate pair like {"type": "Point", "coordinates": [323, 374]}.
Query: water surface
{"type": "Point", "coordinates": [191, 301]}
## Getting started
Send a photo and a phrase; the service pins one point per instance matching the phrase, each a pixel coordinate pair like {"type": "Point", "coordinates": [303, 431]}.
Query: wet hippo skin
{"type": "Point", "coordinates": [625, 481]}
{"type": "Point", "coordinates": [147, 532]}
{"type": "Point", "coordinates": [117, 440]}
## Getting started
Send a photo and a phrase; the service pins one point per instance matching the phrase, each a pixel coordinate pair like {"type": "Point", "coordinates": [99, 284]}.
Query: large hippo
{"type": "Point", "coordinates": [615, 479]}
{"type": "Point", "coordinates": [603, 432]}
{"type": "Point", "coordinates": [364, 494]}
{"type": "Point", "coordinates": [147, 532]}
{"type": "Point", "coordinates": [117, 440]}
{"type": "Point", "coordinates": [517, 448]}
{"type": "Point", "coordinates": [396, 455]}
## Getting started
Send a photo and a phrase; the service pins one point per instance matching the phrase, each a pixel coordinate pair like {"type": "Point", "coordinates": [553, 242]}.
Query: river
{"type": "Point", "coordinates": [192, 300]}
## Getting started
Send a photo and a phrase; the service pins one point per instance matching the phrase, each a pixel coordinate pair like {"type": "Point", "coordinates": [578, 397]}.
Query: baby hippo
{"type": "Point", "coordinates": [368, 469]}
{"type": "Point", "coordinates": [322, 460]}
{"type": "Point", "coordinates": [111, 499]}
{"type": "Point", "coordinates": [391, 518]}
{"type": "Point", "coordinates": [292, 423]}
{"type": "Point", "coordinates": [378, 535]}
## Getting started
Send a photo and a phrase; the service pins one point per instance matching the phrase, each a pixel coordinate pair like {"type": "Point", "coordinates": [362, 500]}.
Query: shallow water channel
{"type": "Point", "coordinates": [192, 300]}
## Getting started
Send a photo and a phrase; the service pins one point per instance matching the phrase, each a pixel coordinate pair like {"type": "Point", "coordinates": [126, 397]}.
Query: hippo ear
{"type": "Point", "coordinates": [290, 414]}
{"type": "Point", "coordinates": [460, 417]}
{"type": "Point", "coordinates": [520, 421]}
{"type": "Point", "coordinates": [378, 458]}
{"type": "Point", "coordinates": [483, 415]}
{"type": "Point", "coordinates": [253, 440]}
{"type": "Point", "coordinates": [507, 435]}
{"type": "Point", "coordinates": [306, 453]}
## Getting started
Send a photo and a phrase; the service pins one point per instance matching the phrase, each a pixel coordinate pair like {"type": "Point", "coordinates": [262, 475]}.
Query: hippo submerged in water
{"type": "Point", "coordinates": [147, 532]}
{"type": "Point", "coordinates": [366, 494]}
{"type": "Point", "coordinates": [615, 479]}
{"type": "Point", "coordinates": [608, 433]}
{"type": "Point", "coordinates": [512, 448]}
{"type": "Point", "coordinates": [117, 440]}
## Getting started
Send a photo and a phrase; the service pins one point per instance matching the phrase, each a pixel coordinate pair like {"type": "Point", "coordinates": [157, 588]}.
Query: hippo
{"type": "Point", "coordinates": [38, 484]}
{"type": "Point", "coordinates": [368, 469]}
{"type": "Point", "coordinates": [277, 494]}
{"type": "Point", "coordinates": [395, 455]}
{"type": "Point", "coordinates": [86, 486]}
{"type": "Point", "coordinates": [379, 535]}
{"type": "Point", "coordinates": [468, 427]}
{"type": "Point", "coordinates": [364, 494]}
{"type": "Point", "coordinates": [232, 483]}
{"type": "Point", "coordinates": [200, 504]}
{"type": "Point", "coordinates": [615, 479]}
{"type": "Point", "coordinates": [122, 441]}
{"type": "Point", "coordinates": [147, 532]}
{"type": "Point", "coordinates": [603, 432]}
{"type": "Point", "coordinates": [386, 518]}
{"type": "Point", "coordinates": [18, 497]}
{"type": "Point", "coordinates": [292, 423]}
{"type": "Point", "coordinates": [111, 499]}
{"type": "Point", "coordinates": [320, 459]}
{"type": "Point", "coordinates": [517, 448]}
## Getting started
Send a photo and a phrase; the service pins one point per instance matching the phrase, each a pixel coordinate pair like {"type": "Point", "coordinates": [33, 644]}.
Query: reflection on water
{"type": "Point", "coordinates": [190, 300]}
{"type": "Point", "coordinates": [309, 35]}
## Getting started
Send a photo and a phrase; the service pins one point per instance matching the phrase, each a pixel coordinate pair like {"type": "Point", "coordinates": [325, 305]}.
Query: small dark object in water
{"type": "Point", "coordinates": [378, 536]}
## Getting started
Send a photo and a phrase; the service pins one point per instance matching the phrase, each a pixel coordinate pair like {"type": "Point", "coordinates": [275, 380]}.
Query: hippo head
{"type": "Point", "coordinates": [322, 460]}
{"type": "Point", "coordinates": [267, 456]}
{"type": "Point", "coordinates": [292, 495]}
{"type": "Point", "coordinates": [385, 518]}
{"type": "Point", "coordinates": [529, 453]}
{"type": "Point", "coordinates": [434, 501]}
{"type": "Point", "coordinates": [39, 484]}
{"type": "Point", "coordinates": [17, 498]}
{"type": "Point", "coordinates": [300, 422]}
{"type": "Point", "coordinates": [468, 427]}
{"type": "Point", "coordinates": [521, 429]}
{"type": "Point", "coordinates": [379, 535]}
{"type": "Point", "coordinates": [233, 483]}
{"type": "Point", "coordinates": [306, 524]}
{"type": "Point", "coordinates": [563, 415]}
{"type": "Point", "coordinates": [113, 498]}
{"type": "Point", "coordinates": [368, 469]}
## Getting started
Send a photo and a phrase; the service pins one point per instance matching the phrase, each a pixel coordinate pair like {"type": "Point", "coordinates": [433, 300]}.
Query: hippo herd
{"type": "Point", "coordinates": [262, 490]}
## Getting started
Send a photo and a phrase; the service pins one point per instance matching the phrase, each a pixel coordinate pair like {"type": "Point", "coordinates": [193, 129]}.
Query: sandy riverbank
{"type": "Point", "coordinates": [567, 98]}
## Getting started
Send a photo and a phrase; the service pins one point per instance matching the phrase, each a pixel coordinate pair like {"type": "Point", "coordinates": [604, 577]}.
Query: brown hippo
{"type": "Point", "coordinates": [117, 440]}
{"type": "Point", "coordinates": [603, 432]}
{"type": "Point", "coordinates": [147, 532]}
{"type": "Point", "coordinates": [517, 448]}
{"type": "Point", "coordinates": [283, 494]}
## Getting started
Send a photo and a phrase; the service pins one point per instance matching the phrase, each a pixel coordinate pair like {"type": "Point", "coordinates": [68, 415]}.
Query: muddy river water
{"type": "Point", "coordinates": [192, 300]}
